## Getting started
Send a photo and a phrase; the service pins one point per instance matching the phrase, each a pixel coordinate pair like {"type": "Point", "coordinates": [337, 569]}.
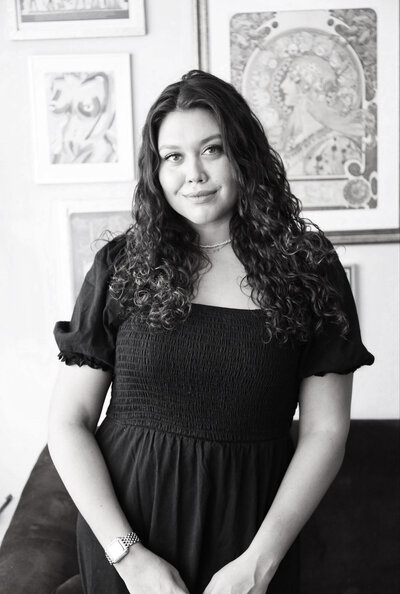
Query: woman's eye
{"type": "Point", "coordinates": [172, 157]}
{"type": "Point", "coordinates": [214, 149]}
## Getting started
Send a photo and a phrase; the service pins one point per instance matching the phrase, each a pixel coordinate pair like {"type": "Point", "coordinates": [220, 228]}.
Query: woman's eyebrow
{"type": "Point", "coordinates": [202, 141]}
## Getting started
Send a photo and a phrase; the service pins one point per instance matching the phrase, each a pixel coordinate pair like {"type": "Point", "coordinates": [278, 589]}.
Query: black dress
{"type": "Point", "coordinates": [196, 437]}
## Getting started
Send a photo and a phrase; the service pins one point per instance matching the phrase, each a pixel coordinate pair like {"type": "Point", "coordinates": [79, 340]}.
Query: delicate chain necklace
{"type": "Point", "coordinates": [216, 245]}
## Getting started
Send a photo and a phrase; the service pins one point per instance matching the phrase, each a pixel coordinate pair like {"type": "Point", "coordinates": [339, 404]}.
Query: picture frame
{"type": "Point", "coordinates": [81, 118]}
{"type": "Point", "coordinates": [234, 40]}
{"type": "Point", "coordinates": [82, 228]}
{"type": "Point", "coordinates": [46, 19]}
{"type": "Point", "coordinates": [351, 273]}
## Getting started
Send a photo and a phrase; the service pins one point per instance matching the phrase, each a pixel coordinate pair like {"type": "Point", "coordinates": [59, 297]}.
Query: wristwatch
{"type": "Point", "coordinates": [119, 547]}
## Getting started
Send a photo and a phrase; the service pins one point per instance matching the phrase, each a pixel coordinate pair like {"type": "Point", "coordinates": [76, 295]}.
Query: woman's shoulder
{"type": "Point", "coordinates": [108, 255]}
{"type": "Point", "coordinates": [316, 237]}
{"type": "Point", "coordinates": [315, 249]}
{"type": "Point", "coordinates": [318, 257]}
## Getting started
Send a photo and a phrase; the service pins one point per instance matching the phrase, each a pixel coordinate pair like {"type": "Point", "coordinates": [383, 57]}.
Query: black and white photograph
{"type": "Point", "coordinates": [55, 19]}
{"type": "Point", "coordinates": [69, 10]}
{"type": "Point", "coordinates": [200, 252]}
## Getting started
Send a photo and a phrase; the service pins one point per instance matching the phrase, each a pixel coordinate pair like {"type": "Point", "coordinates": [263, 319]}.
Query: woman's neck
{"type": "Point", "coordinates": [213, 235]}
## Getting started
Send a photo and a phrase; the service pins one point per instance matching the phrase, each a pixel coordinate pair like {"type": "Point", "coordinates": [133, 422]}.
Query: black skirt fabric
{"type": "Point", "coordinates": [195, 503]}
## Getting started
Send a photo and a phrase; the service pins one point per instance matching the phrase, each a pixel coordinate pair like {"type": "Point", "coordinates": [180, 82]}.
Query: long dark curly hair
{"type": "Point", "coordinates": [285, 257]}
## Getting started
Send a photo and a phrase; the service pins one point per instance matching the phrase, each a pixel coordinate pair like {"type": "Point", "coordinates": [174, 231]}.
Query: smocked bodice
{"type": "Point", "coordinates": [214, 377]}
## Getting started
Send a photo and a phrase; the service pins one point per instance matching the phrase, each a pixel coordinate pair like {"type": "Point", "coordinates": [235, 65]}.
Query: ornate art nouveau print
{"type": "Point", "coordinates": [311, 77]}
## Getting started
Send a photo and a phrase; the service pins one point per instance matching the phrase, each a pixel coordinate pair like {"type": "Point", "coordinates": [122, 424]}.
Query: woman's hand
{"type": "Point", "coordinates": [145, 573]}
{"type": "Point", "coordinates": [241, 576]}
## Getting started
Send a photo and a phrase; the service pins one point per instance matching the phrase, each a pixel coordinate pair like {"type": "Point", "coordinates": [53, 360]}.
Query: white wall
{"type": "Point", "coordinates": [30, 301]}
{"type": "Point", "coordinates": [376, 389]}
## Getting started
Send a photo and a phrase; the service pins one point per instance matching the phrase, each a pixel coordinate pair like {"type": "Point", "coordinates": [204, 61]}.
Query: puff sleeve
{"type": "Point", "coordinates": [89, 338]}
{"type": "Point", "coordinates": [329, 352]}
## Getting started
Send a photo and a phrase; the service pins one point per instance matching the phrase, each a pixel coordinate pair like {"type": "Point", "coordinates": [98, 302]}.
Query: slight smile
{"type": "Point", "coordinates": [202, 196]}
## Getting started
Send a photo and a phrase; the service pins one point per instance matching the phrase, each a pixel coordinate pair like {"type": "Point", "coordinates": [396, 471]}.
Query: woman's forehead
{"type": "Point", "coordinates": [187, 126]}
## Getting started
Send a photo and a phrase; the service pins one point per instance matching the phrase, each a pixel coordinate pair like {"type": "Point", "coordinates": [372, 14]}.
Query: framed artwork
{"type": "Point", "coordinates": [324, 84]}
{"type": "Point", "coordinates": [83, 228]}
{"type": "Point", "coordinates": [52, 19]}
{"type": "Point", "coordinates": [82, 118]}
{"type": "Point", "coordinates": [350, 270]}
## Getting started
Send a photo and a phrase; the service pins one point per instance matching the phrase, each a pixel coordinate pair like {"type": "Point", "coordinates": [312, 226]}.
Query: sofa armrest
{"type": "Point", "coordinates": [38, 552]}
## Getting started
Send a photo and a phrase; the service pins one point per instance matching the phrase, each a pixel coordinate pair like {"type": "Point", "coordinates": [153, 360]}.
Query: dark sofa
{"type": "Point", "coordinates": [350, 545]}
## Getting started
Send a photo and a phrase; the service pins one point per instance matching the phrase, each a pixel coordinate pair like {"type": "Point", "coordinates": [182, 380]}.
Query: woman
{"type": "Point", "coordinates": [212, 316]}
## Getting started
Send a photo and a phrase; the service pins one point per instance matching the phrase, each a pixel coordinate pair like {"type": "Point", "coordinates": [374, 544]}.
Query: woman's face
{"type": "Point", "coordinates": [195, 174]}
{"type": "Point", "coordinates": [290, 90]}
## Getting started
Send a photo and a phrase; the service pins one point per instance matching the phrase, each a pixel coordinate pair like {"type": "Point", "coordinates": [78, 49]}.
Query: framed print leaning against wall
{"type": "Point", "coordinates": [52, 19]}
{"type": "Point", "coordinates": [322, 78]}
{"type": "Point", "coordinates": [82, 118]}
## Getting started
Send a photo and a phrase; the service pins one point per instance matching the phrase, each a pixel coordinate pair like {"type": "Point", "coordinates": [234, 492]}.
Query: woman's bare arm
{"type": "Point", "coordinates": [323, 428]}
{"type": "Point", "coordinates": [74, 413]}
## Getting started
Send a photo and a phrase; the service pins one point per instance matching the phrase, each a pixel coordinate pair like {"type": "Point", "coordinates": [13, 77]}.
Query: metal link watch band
{"type": "Point", "coordinates": [130, 539]}
{"type": "Point", "coordinates": [119, 547]}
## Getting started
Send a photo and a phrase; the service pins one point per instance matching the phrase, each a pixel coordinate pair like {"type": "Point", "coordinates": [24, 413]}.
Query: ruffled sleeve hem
{"type": "Point", "coordinates": [80, 360]}
{"type": "Point", "coordinates": [89, 337]}
{"type": "Point", "coordinates": [341, 368]}
{"type": "Point", "coordinates": [329, 351]}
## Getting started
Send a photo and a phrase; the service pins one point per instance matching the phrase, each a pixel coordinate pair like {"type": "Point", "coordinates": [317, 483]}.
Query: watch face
{"type": "Point", "coordinates": [116, 550]}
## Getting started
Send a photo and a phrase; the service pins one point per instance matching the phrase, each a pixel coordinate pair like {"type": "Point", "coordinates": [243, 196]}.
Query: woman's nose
{"type": "Point", "coordinates": [195, 172]}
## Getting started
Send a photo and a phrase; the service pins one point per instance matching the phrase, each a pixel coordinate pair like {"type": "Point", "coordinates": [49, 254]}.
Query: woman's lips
{"type": "Point", "coordinates": [201, 197]}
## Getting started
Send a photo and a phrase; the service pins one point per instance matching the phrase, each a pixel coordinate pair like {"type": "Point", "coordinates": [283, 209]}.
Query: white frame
{"type": "Point", "coordinates": [135, 24]}
{"type": "Point", "coordinates": [350, 225]}
{"type": "Point", "coordinates": [47, 172]}
{"type": "Point", "coordinates": [65, 274]}
{"type": "Point", "coordinates": [351, 273]}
